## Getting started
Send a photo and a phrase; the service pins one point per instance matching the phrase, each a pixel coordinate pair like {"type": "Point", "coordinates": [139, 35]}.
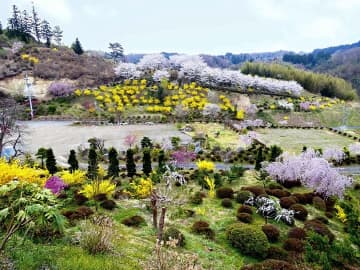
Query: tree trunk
{"type": "Point", "coordinates": [161, 223]}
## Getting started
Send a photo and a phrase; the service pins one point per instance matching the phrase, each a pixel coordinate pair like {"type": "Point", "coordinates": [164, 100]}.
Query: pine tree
{"type": "Point", "coordinates": [36, 26]}
{"type": "Point", "coordinates": [130, 163]}
{"type": "Point", "coordinates": [46, 32]}
{"type": "Point", "coordinates": [76, 46]}
{"type": "Point", "coordinates": [50, 161]}
{"type": "Point", "coordinates": [15, 20]}
{"type": "Point", "coordinates": [113, 169]}
{"type": "Point", "coordinates": [147, 161]}
{"type": "Point", "coordinates": [93, 167]}
{"type": "Point", "coordinates": [1, 29]}
{"type": "Point", "coordinates": [275, 151]}
{"type": "Point", "coordinates": [72, 161]}
{"type": "Point", "coordinates": [117, 51]}
{"type": "Point", "coordinates": [58, 34]}
{"type": "Point", "coordinates": [259, 159]}
{"type": "Point", "coordinates": [161, 161]}
{"type": "Point", "coordinates": [41, 154]}
{"type": "Point", "coordinates": [146, 143]}
{"type": "Point", "coordinates": [26, 23]}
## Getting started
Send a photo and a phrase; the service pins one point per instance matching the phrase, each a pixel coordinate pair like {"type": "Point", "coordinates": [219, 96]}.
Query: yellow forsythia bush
{"type": "Point", "coordinates": [98, 187]}
{"type": "Point", "coordinates": [77, 177]}
{"type": "Point", "coordinates": [204, 165]}
{"type": "Point", "coordinates": [340, 213]}
{"type": "Point", "coordinates": [140, 189]}
{"type": "Point", "coordinates": [23, 173]}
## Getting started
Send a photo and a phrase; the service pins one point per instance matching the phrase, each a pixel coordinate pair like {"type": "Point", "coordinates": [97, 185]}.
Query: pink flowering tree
{"type": "Point", "coordinates": [312, 171]}
{"type": "Point", "coordinates": [334, 155]}
{"type": "Point", "coordinates": [130, 140]}
{"type": "Point", "coordinates": [61, 89]}
{"type": "Point", "coordinates": [182, 156]}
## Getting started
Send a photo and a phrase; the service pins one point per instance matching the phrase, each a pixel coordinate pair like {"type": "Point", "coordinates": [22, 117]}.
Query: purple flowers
{"type": "Point", "coordinates": [61, 89]}
{"type": "Point", "coordinates": [55, 184]}
{"type": "Point", "coordinates": [183, 156]}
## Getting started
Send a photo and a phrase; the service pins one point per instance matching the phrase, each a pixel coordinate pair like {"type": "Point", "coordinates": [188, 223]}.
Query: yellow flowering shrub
{"type": "Point", "coordinates": [98, 187]}
{"type": "Point", "coordinates": [340, 213]}
{"type": "Point", "coordinates": [211, 185]}
{"type": "Point", "coordinates": [204, 165]}
{"type": "Point", "coordinates": [23, 173]}
{"type": "Point", "coordinates": [240, 114]}
{"type": "Point", "coordinates": [141, 188]}
{"type": "Point", "coordinates": [77, 177]}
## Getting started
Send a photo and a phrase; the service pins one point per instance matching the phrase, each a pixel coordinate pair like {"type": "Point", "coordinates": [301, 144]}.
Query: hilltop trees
{"type": "Point", "coordinates": [36, 24]}
{"type": "Point", "coordinates": [117, 51]}
{"type": "Point", "coordinates": [58, 35]}
{"type": "Point", "coordinates": [46, 32]}
{"type": "Point", "coordinates": [1, 28]}
{"type": "Point", "coordinates": [76, 46]}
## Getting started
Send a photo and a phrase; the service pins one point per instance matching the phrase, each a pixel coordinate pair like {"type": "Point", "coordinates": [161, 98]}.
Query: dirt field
{"type": "Point", "coordinates": [62, 136]}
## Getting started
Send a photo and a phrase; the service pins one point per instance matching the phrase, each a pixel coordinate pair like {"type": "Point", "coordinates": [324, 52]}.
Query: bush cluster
{"type": "Point", "coordinates": [242, 196]}
{"type": "Point", "coordinates": [224, 192]}
{"type": "Point", "coordinates": [227, 203]}
{"type": "Point", "coordinates": [203, 228]}
{"type": "Point", "coordinates": [133, 221]}
{"type": "Point", "coordinates": [173, 233]}
{"type": "Point", "coordinates": [272, 233]}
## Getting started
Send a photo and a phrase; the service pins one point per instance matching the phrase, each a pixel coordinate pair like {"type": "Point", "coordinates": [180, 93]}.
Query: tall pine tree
{"type": "Point", "coordinates": [46, 32]}
{"type": "Point", "coordinates": [130, 163]}
{"type": "Point", "coordinates": [147, 161]}
{"type": "Point", "coordinates": [58, 34]}
{"type": "Point", "coordinates": [72, 161]}
{"type": "Point", "coordinates": [259, 159]}
{"type": "Point", "coordinates": [15, 20]}
{"type": "Point", "coordinates": [36, 24]}
{"type": "Point", "coordinates": [113, 169]}
{"type": "Point", "coordinates": [93, 167]}
{"type": "Point", "coordinates": [51, 161]}
{"type": "Point", "coordinates": [76, 46]}
{"type": "Point", "coordinates": [1, 29]}
{"type": "Point", "coordinates": [26, 23]}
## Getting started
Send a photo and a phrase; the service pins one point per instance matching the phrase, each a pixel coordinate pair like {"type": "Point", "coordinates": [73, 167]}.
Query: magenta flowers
{"type": "Point", "coordinates": [55, 184]}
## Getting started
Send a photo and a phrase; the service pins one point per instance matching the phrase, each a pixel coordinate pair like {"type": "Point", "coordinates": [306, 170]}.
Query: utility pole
{"type": "Point", "coordinates": [27, 92]}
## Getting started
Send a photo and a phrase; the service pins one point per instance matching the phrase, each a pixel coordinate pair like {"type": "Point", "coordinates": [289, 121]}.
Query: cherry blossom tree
{"type": "Point", "coordinates": [127, 71]}
{"type": "Point", "coordinates": [130, 140]}
{"type": "Point", "coordinates": [160, 75]}
{"type": "Point", "coordinates": [153, 62]}
{"type": "Point", "coordinates": [334, 154]}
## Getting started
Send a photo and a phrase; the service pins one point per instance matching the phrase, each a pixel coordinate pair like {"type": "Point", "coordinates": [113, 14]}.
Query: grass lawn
{"type": "Point", "coordinates": [293, 140]}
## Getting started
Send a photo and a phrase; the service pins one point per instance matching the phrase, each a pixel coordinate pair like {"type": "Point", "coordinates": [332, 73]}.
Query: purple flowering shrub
{"type": "Point", "coordinates": [61, 89]}
{"type": "Point", "coordinates": [55, 184]}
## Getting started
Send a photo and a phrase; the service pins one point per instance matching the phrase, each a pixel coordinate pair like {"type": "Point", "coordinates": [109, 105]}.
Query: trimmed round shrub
{"type": "Point", "coordinates": [300, 211]}
{"type": "Point", "coordinates": [245, 209]}
{"type": "Point", "coordinates": [319, 227]}
{"type": "Point", "coordinates": [319, 203]}
{"type": "Point", "coordinates": [297, 233]}
{"type": "Point", "coordinates": [322, 219]}
{"type": "Point", "coordinates": [134, 221]}
{"type": "Point", "coordinates": [294, 244]}
{"type": "Point", "coordinates": [256, 190]}
{"type": "Point", "coordinates": [227, 203]}
{"type": "Point", "coordinates": [224, 192]}
{"type": "Point", "coordinates": [272, 233]}
{"type": "Point", "coordinates": [244, 217]}
{"type": "Point", "coordinates": [197, 198]}
{"type": "Point", "coordinates": [287, 202]}
{"type": "Point", "coordinates": [304, 198]}
{"type": "Point", "coordinates": [270, 264]}
{"type": "Point", "coordinates": [277, 253]}
{"type": "Point", "coordinates": [203, 228]}
{"type": "Point", "coordinates": [242, 196]}
{"type": "Point", "coordinates": [108, 204]}
{"type": "Point", "coordinates": [174, 233]}
{"type": "Point", "coordinates": [248, 239]}
{"type": "Point", "coordinates": [279, 193]}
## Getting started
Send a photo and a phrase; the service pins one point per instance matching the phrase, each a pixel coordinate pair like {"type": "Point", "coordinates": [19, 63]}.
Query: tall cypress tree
{"type": "Point", "coordinates": [76, 46]}
{"type": "Point", "coordinates": [161, 161]}
{"type": "Point", "coordinates": [72, 161]}
{"type": "Point", "coordinates": [93, 167]}
{"type": "Point", "coordinates": [146, 143]}
{"type": "Point", "coordinates": [130, 163]}
{"type": "Point", "coordinates": [113, 169]}
{"type": "Point", "coordinates": [41, 154]}
{"type": "Point", "coordinates": [147, 161]}
{"type": "Point", "coordinates": [50, 161]}
{"type": "Point", "coordinates": [259, 159]}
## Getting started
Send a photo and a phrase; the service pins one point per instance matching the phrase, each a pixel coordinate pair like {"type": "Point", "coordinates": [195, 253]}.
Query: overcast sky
{"type": "Point", "coordinates": [201, 26]}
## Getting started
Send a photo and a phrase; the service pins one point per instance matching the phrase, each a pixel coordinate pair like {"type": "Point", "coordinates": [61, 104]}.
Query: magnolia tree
{"type": "Point", "coordinates": [312, 171]}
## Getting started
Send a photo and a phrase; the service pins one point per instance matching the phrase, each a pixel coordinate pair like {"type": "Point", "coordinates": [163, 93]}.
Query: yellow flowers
{"type": "Point", "coordinates": [211, 185]}
{"type": "Point", "coordinates": [98, 187]}
{"type": "Point", "coordinates": [32, 59]}
{"type": "Point", "coordinates": [14, 170]}
{"type": "Point", "coordinates": [204, 165]}
{"type": "Point", "coordinates": [77, 177]}
{"type": "Point", "coordinates": [272, 106]}
{"type": "Point", "coordinates": [141, 189]}
{"type": "Point", "coordinates": [340, 213]}
{"type": "Point", "coordinates": [78, 92]}
{"type": "Point", "coordinates": [240, 114]}
{"type": "Point", "coordinates": [286, 117]}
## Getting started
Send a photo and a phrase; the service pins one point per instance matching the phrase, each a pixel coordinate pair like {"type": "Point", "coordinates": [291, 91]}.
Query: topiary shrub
{"type": "Point", "coordinates": [203, 228]}
{"type": "Point", "coordinates": [174, 233]}
{"type": "Point", "coordinates": [270, 264]}
{"type": "Point", "coordinates": [277, 253]}
{"type": "Point", "coordinates": [197, 198]}
{"type": "Point", "coordinates": [256, 190]}
{"type": "Point", "coordinates": [319, 227]}
{"type": "Point", "coordinates": [322, 219]}
{"type": "Point", "coordinates": [279, 193]}
{"type": "Point", "coordinates": [300, 211]}
{"type": "Point", "coordinates": [227, 203]}
{"type": "Point", "coordinates": [245, 209]}
{"type": "Point", "coordinates": [134, 221]}
{"type": "Point", "coordinates": [224, 192]}
{"type": "Point", "coordinates": [248, 239]}
{"type": "Point", "coordinates": [244, 217]}
{"type": "Point", "coordinates": [297, 233]}
{"type": "Point", "coordinates": [287, 202]}
{"type": "Point", "coordinates": [319, 203]}
{"type": "Point", "coordinates": [108, 204]}
{"type": "Point", "coordinates": [272, 233]}
{"type": "Point", "coordinates": [304, 198]}
{"type": "Point", "coordinates": [242, 196]}
{"type": "Point", "coordinates": [294, 244]}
